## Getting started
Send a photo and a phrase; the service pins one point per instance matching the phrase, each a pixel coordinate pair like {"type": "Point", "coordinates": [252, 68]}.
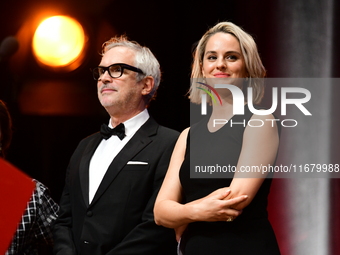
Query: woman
{"type": "Point", "coordinates": [222, 215]}
{"type": "Point", "coordinates": [35, 227]}
{"type": "Point", "coordinates": [5, 129]}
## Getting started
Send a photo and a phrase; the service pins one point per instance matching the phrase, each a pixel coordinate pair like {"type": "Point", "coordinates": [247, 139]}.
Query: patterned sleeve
{"type": "Point", "coordinates": [47, 213]}
{"type": "Point", "coordinates": [36, 223]}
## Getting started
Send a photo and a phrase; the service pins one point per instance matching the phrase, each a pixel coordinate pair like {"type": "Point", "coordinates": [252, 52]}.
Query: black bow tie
{"type": "Point", "coordinates": [107, 132]}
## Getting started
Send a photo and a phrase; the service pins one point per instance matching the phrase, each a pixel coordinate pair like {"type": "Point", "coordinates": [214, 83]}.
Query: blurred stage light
{"type": "Point", "coordinates": [58, 42]}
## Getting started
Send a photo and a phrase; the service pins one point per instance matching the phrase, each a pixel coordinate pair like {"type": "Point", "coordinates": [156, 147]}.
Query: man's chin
{"type": "Point", "coordinates": [106, 103]}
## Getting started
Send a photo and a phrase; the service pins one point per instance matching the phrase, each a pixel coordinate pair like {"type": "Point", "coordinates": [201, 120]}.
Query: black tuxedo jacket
{"type": "Point", "coordinates": [119, 219]}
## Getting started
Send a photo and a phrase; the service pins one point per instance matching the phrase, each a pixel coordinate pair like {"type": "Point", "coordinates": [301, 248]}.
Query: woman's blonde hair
{"type": "Point", "coordinates": [254, 66]}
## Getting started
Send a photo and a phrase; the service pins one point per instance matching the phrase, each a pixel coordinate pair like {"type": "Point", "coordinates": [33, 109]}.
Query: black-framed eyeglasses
{"type": "Point", "coordinates": [115, 70]}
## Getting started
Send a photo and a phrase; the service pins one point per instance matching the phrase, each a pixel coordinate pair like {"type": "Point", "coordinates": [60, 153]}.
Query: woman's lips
{"type": "Point", "coordinates": [221, 75]}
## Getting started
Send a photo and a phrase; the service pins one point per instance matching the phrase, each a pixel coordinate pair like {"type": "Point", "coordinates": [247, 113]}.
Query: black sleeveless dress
{"type": "Point", "coordinates": [250, 233]}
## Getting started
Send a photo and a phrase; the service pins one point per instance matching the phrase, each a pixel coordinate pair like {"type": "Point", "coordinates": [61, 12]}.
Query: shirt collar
{"type": "Point", "coordinates": [133, 124]}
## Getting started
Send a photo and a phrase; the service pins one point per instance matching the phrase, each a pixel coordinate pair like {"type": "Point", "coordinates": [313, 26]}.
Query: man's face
{"type": "Point", "coordinates": [120, 95]}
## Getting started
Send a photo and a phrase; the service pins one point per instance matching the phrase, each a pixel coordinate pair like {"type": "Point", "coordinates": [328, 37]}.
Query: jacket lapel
{"type": "Point", "coordinates": [84, 166]}
{"type": "Point", "coordinates": [137, 143]}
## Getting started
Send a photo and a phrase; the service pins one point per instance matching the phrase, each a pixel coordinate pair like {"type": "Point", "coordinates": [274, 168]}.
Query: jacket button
{"type": "Point", "coordinates": [89, 213]}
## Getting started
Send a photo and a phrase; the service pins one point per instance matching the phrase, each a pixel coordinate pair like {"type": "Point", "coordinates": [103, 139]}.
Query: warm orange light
{"type": "Point", "coordinates": [58, 41]}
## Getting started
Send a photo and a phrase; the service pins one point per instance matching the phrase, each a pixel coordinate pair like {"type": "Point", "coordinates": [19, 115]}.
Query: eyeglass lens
{"type": "Point", "coordinates": [115, 71]}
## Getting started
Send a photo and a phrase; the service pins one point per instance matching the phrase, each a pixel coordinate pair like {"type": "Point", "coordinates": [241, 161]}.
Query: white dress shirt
{"type": "Point", "coordinates": [108, 150]}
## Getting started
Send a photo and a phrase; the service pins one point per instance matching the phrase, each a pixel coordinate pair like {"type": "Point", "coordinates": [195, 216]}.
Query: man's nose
{"type": "Point", "coordinates": [105, 77]}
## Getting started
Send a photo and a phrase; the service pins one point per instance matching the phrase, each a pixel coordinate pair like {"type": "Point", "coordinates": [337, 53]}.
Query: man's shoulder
{"type": "Point", "coordinates": [165, 137]}
{"type": "Point", "coordinates": [91, 137]}
{"type": "Point", "coordinates": [168, 131]}
{"type": "Point", "coordinates": [162, 130]}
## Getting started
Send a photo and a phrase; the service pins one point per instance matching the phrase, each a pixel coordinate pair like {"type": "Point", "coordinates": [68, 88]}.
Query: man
{"type": "Point", "coordinates": [112, 181]}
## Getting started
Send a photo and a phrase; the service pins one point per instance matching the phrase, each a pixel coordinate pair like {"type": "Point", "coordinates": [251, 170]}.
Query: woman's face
{"type": "Point", "coordinates": [223, 58]}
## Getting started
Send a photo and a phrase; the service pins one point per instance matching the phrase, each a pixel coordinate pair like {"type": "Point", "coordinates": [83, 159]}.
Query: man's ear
{"type": "Point", "coordinates": [148, 84]}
